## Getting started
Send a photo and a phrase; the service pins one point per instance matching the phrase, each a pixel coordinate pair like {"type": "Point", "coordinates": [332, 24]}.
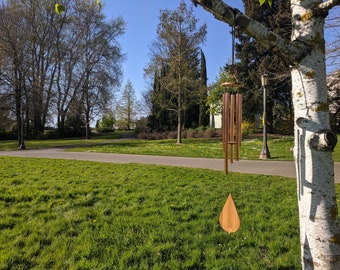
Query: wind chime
{"type": "Point", "coordinates": [231, 127]}
{"type": "Point", "coordinates": [231, 136]}
{"type": "Point", "coordinates": [231, 111]}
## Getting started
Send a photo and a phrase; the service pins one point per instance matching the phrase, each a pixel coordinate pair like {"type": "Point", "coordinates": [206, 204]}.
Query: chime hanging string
{"type": "Point", "coordinates": [233, 44]}
{"type": "Point", "coordinates": [233, 49]}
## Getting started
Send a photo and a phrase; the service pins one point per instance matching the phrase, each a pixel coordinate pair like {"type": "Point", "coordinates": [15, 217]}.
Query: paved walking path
{"type": "Point", "coordinates": [270, 167]}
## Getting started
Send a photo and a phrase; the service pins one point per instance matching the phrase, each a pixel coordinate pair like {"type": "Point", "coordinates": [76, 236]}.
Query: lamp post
{"type": "Point", "coordinates": [265, 151]}
{"type": "Point", "coordinates": [22, 142]}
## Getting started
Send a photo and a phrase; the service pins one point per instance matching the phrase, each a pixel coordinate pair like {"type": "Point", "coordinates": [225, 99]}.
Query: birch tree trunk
{"type": "Point", "coordinates": [314, 141]}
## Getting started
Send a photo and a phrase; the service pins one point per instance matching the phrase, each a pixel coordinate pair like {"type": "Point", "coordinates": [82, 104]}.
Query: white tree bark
{"type": "Point", "coordinates": [314, 141]}
{"type": "Point", "coordinates": [319, 230]}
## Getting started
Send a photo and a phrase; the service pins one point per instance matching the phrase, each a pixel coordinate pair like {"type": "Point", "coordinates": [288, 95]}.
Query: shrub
{"type": "Point", "coordinates": [212, 133]}
{"type": "Point", "coordinates": [201, 128]}
{"type": "Point", "coordinates": [201, 133]}
{"type": "Point", "coordinates": [248, 127]}
{"type": "Point", "coordinates": [285, 127]}
{"type": "Point", "coordinates": [142, 135]}
{"type": "Point", "coordinates": [8, 135]}
{"type": "Point", "coordinates": [172, 135]}
{"type": "Point", "coordinates": [191, 133]}
{"type": "Point", "coordinates": [186, 134]}
{"type": "Point", "coordinates": [142, 125]}
{"type": "Point", "coordinates": [105, 130]}
{"type": "Point", "coordinates": [156, 135]}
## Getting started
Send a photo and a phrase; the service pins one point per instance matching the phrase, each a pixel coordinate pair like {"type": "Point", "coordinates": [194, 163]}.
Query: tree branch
{"type": "Point", "coordinates": [262, 34]}
{"type": "Point", "coordinates": [326, 6]}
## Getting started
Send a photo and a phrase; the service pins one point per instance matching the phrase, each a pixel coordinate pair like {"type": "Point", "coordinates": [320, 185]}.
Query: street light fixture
{"type": "Point", "coordinates": [264, 80]}
{"type": "Point", "coordinates": [265, 151]}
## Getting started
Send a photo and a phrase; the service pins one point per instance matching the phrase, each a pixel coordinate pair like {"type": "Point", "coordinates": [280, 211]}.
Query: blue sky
{"type": "Point", "coordinates": [141, 19]}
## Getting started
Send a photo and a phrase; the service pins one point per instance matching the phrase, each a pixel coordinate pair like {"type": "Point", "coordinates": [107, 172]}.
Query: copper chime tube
{"type": "Point", "coordinates": [231, 127]}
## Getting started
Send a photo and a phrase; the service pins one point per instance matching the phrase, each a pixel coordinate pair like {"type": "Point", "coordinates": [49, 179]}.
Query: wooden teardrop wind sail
{"type": "Point", "coordinates": [229, 218]}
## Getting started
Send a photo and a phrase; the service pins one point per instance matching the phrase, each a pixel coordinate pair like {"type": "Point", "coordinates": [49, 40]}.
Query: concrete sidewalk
{"type": "Point", "coordinates": [270, 167]}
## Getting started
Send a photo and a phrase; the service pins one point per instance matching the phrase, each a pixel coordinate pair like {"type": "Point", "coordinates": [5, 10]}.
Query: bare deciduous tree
{"type": "Point", "coordinates": [174, 55]}
{"type": "Point", "coordinates": [127, 107]}
{"type": "Point", "coordinates": [51, 60]}
{"type": "Point", "coordinates": [98, 67]}
{"type": "Point", "coordinates": [13, 61]}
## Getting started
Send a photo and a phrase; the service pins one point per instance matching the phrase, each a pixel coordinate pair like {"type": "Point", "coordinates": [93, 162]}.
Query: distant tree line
{"type": "Point", "coordinates": [64, 68]}
{"type": "Point", "coordinates": [57, 67]}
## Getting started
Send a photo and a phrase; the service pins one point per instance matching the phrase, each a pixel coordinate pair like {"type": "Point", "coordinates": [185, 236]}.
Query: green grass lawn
{"type": "Point", "coordinates": [40, 144]}
{"type": "Point", "coordinates": [58, 214]}
{"type": "Point", "coordinates": [208, 148]}
{"type": "Point", "coordinates": [279, 147]}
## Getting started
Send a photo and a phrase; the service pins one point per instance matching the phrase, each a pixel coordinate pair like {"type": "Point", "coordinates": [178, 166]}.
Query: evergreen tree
{"type": "Point", "coordinates": [256, 60]}
{"type": "Point", "coordinates": [203, 109]}
{"type": "Point", "coordinates": [161, 118]}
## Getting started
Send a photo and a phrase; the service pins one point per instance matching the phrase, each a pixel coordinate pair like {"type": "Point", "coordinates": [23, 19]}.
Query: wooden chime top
{"type": "Point", "coordinates": [232, 84]}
